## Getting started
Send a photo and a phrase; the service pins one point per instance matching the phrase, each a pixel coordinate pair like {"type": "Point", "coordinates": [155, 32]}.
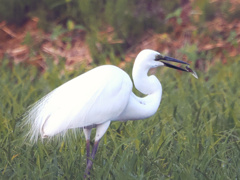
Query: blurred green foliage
{"type": "Point", "coordinates": [129, 19]}
{"type": "Point", "coordinates": [15, 11]}
{"type": "Point", "coordinates": [194, 135]}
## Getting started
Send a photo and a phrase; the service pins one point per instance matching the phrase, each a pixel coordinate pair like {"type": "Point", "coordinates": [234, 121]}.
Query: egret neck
{"type": "Point", "coordinates": [141, 108]}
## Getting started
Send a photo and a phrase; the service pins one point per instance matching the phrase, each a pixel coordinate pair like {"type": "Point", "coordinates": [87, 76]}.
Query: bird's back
{"type": "Point", "coordinates": [94, 97]}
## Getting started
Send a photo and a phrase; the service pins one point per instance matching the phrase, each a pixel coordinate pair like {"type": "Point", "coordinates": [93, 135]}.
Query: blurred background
{"type": "Point", "coordinates": [195, 134]}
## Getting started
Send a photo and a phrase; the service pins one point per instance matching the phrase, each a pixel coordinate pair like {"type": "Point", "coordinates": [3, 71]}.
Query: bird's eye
{"type": "Point", "coordinates": [158, 57]}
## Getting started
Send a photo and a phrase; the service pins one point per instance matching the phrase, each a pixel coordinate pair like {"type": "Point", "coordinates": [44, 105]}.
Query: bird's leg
{"type": "Point", "coordinates": [100, 131]}
{"type": "Point", "coordinates": [90, 163]}
{"type": "Point", "coordinates": [88, 149]}
{"type": "Point", "coordinates": [87, 132]}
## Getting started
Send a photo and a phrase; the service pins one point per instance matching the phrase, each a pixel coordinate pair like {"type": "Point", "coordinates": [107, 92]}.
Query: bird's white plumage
{"type": "Point", "coordinates": [94, 97]}
{"type": "Point", "coordinates": [100, 95]}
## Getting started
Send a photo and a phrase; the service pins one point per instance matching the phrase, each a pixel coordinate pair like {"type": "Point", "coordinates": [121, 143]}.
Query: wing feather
{"type": "Point", "coordinates": [94, 97]}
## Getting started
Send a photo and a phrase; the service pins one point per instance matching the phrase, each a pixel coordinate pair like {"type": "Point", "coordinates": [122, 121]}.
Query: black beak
{"type": "Point", "coordinates": [166, 59]}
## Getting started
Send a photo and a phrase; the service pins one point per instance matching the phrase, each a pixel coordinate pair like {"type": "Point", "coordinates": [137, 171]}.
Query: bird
{"type": "Point", "coordinates": [98, 97]}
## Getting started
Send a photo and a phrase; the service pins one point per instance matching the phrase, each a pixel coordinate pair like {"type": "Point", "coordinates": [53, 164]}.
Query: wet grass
{"type": "Point", "coordinates": [194, 134]}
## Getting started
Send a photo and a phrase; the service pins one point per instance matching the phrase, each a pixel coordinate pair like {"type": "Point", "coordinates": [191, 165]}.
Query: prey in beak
{"type": "Point", "coordinates": [166, 59]}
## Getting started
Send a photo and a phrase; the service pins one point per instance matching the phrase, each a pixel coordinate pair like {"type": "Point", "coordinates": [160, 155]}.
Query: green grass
{"type": "Point", "coordinates": [194, 135]}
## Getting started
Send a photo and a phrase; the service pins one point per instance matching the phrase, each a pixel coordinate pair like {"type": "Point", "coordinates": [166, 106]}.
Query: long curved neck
{"type": "Point", "coordinates": [141, 108]}
{"type": "Point", "coordinates": [145, 84]}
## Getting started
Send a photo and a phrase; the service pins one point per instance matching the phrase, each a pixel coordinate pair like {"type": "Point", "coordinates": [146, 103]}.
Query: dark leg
{"type": "Point", "coordinates": [88, 150]}
{"type": "Point", "coordinates": [89, 163]}
{"type": "Point", "coordinates": [87, 132]}
{"type": "Point", "coordinates": [100, 131]}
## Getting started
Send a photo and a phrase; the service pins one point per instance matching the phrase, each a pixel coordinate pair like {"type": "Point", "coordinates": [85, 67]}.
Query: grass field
{"type": "Point", "coordinates": [194, 134]}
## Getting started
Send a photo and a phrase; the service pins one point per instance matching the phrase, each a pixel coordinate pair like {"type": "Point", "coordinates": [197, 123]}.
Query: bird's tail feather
{"type": "Point", "coordinates": [35, 117]}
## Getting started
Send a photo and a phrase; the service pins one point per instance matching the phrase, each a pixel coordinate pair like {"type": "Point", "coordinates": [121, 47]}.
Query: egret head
{"type": "Point", "coordinates": [147, 58]}
{"type": "Point", "coordinates": [151, 59]}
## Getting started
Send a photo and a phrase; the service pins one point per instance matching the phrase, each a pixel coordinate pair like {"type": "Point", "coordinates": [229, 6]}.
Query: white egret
{"type": "Point", "coordinates": [99, 96]}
